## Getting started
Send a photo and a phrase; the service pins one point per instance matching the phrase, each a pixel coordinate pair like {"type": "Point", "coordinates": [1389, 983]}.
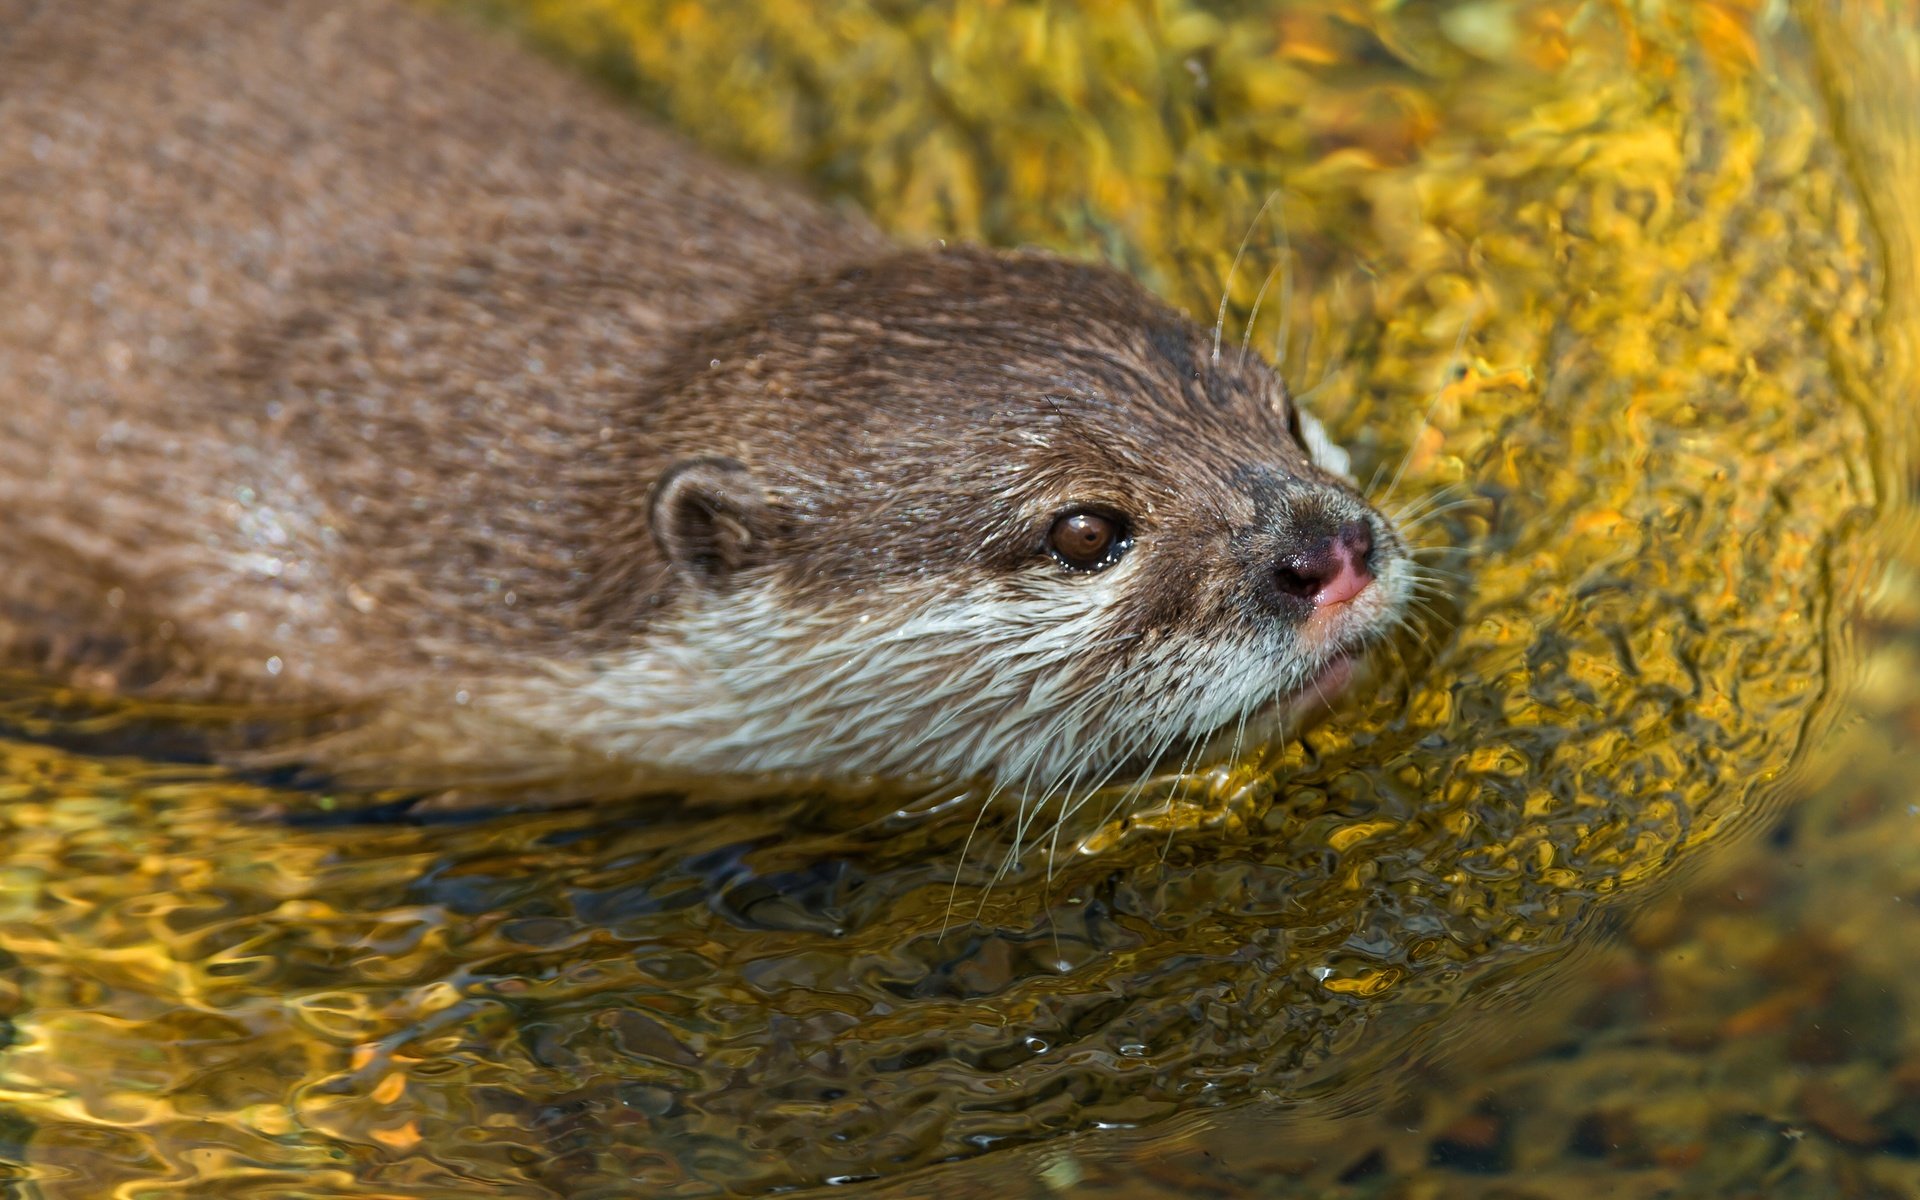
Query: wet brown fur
{"type": "Point", "coordinates": [342, 348]}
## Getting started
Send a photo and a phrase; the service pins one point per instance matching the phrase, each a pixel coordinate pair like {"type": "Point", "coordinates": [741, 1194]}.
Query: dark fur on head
{"type": "Point", "coordinates": [929, 413]}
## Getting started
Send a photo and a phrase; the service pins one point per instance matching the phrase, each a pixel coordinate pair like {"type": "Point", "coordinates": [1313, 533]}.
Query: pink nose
{"type": "Point", "coordinates": [1333, 572]}
{"type": "Point", "coordinates": [1350, 578]}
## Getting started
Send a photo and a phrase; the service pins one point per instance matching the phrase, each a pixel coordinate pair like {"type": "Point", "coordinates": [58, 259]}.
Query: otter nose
{"type": "Point", "coordinates": [1333, 571]}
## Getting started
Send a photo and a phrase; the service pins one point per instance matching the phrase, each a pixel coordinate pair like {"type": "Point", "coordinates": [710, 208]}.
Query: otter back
{"type": "Point", "coordinates": [271, 272]}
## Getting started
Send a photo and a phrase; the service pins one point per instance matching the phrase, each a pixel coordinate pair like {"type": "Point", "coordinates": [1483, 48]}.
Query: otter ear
{"type": "Point", "coordinates": [708, 516]}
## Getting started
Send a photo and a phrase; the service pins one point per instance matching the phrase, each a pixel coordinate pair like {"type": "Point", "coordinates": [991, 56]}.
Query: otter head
{"type": "Point", "coordinates": [959, 514]}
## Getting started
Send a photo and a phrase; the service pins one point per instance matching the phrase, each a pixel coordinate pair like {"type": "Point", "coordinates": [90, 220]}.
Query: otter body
{"type": "Point", "coordinates": [356, 363]}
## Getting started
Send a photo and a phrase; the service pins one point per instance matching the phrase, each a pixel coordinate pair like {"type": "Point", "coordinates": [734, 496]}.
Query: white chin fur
{"type": "Point", "coordinates": [953, 687]}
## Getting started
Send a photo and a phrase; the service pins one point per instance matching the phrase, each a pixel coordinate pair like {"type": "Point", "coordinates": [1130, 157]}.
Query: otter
{"type": "Point", "coordinates": [357, 363]}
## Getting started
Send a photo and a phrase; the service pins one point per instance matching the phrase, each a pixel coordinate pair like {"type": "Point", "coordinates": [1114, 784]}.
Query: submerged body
{"type": "Point", "coordinates": [361, 365]}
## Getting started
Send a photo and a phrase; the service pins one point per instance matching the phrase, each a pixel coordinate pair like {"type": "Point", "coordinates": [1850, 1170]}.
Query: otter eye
{"type": "Point", "coordinates": [1087, 541]}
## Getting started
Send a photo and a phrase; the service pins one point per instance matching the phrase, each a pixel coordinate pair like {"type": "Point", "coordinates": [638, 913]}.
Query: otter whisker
{"type": "Point", "coordinates": [1172, 733]}
{"type": "Point", "coordinates": [1141, 780]}
{"type": "Point", "coordinates": [1401, 514]}
{"type": "Point", "coordinates": [1433, 589]}
{"type": "Point", "coordinates": [1052, 733]}
{"type": "Point", "coordinates": [1064, 786]}
{"type": "Point", "coordinates": [1286, 295]}
{"type": "Point", "coordinates": [1407, 628]}
{"type": "Point", "coordinates": [1064, 715]}
{"type": "Point", "coordinates": [1253, 315]}
{"type": "Point", "coordinates": [1438, 572]}
{"type": "Point", "coordinates": [1071, 789]}
{"type": "Point", "coordinates": [1409, 524]}
{"type": "Point", "coordinates": [1197, 739]}
{"type": "Point", "coordinates": [1283, 266]}
{"type": "Point", "coordinates": [1111, 690]}
{"type": "Point", "coordinates": [1423, 638]}
{"type": "Point", "coordinates": [1425, 573]}
{"type": "Point", "coordinates": [1183, 775]}
{"type": "Point", "coordinates": [1239, 734]}
{"type": "Point", "coordinates": [960, 866]}
{"type": "Point", "coordinates": [1437, 580]}
{"type": "Point", "coordinates": [1147, 774]}
{"type": "Point", "coordinates": [1226, 289]}
{"type": "Point", "coordinates": [1426, 611]}
{"type": "Point", "coordinates": [1160, 747]}
{"type": "Point", "coordinates": [1028, 809]}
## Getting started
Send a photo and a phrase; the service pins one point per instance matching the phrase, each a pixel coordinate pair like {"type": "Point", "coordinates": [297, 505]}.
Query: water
{"type": "Point", "coordinates": [1603, 890]}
